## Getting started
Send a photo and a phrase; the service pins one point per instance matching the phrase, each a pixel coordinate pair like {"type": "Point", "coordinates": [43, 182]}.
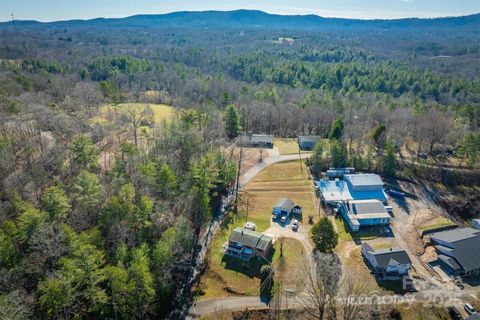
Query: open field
{"type": "Point", "coordinates": [107, 113]}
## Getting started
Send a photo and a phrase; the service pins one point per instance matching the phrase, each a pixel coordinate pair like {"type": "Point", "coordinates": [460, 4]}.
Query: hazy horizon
{"type": "Point", "coordinates": [55, 10]}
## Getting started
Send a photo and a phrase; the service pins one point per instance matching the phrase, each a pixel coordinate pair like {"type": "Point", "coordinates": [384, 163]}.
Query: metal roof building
{"type": "Point", "coordinates": [307, 142]}
{"type": "Point", "coordinates": [462, 246]}
{"type": "Point", "coordinates": [358, 213]}
{"type": "Point", "coordinates": [387, 261]}
{"type": "Point", "coordinates": [353, 187]}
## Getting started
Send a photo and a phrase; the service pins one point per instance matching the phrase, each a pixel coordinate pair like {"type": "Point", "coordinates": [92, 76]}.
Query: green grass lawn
{"type": "Point", "coordinates": [344, 234]}
{"type": "Point", "coordinates": [436, 223]}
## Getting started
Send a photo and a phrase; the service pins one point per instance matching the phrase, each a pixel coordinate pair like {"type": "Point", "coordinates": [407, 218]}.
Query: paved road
{"type": "Point", "coordinates": [440, 297]}
{"type": "Point", "coordinates": [212, 305]}
{"type": "Point", "coordinates": [253, 171]}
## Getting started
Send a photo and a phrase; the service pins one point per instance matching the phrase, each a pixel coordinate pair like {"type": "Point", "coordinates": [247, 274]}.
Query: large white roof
{"type": "Point", "coordinates": [363, 179]}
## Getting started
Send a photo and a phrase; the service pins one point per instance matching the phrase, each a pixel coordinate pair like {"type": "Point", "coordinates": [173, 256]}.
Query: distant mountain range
{"type": "Point", "coordinates": [250, 19]}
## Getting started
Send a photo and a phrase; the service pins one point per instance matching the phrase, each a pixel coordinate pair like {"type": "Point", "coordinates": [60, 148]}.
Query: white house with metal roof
{"type": "Point", "coordinates": [364, 213]}
{"type": "Point", "coordinates": [392, 261]}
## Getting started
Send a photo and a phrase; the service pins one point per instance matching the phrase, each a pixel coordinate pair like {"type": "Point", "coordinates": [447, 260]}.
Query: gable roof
{"type": "Point", "coordinates": [264, 242]}
{"type": "Point", "coordinates": [389, 256]}
{"type": "Point", "coordinates": [265, 138]}
{"type": "Point", "coordinates": [285, 204]}
{"type": "Point", "coordinates": [363, 179]}
{"type": "Point", "coordinates": [464, 246]}
{"type": "Point", "coordinates": [455, 235]}
{"type": "Point", "coordinates": [312, 139]}
{"type": "Point", "coordinates": [246, 237]}
{"type": "Point", "coordinates": [367, 206]}
{"type": "Point", "coordinates": [450, 262]}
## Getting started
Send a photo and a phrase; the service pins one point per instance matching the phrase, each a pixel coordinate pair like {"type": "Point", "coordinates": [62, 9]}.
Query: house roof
{"type": "Point", "coordinates": [246, 237]}
{"type": "Point", "coordinates": [473, 316]}
{"type": "Point", "coordinates": [368, 209]}
{"type": "Point", "coordinates": [464, 246]}
{"type": "Point", "coordinates": [455, 235]}
{"type": "Point", "coordinates": [285, 204]}
{"type": "Point", "coordinates": [264, 243]}
{"type": "Point", "coordinates": [363, 179]}
{"type": "Point", "coordinates": [389, 256]}
{"type": "Point", "coordinates": [367, 206]}
{"type": "Point", "coordinates": [261, 138]}
{"type": "Point", "coordinates": [312, 139]}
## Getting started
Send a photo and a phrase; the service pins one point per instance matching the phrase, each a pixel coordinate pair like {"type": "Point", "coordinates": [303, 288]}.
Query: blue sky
{"type": "Point", "coordinates": [48, 10]}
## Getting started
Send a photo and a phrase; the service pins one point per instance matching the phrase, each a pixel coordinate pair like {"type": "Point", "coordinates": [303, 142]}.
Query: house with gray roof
{"type": "Point", "coordinates": [458, 251]}
{"type": "Point", "coordinates": [307, 142]}
{"type": "Point", "coordinates": [286, 207]}
{"type": "Point", "coordinates": [246, 244]}
{"type": "Point", "coordinates": [392, 261]}
{"type": "Point", "coordinates": [358, 213]}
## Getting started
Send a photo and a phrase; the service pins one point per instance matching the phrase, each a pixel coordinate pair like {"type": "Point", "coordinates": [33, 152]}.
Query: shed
{"type": "Point", "coordinates": [286, 206]}
{"type": "Point", "coordinates": [307, 142]}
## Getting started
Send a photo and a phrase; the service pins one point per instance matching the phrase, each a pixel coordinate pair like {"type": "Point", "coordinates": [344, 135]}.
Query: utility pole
{"type": "Point", "coordinates": [14, 26]}
{"type": "Point", "coordinates": [237, 187]}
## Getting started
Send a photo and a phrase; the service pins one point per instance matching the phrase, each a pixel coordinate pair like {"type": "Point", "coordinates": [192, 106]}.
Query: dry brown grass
{"type": "Point", "coordinates": [281, 180]}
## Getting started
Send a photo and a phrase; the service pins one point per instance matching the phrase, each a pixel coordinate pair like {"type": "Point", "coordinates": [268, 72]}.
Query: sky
{"type": "Point", "coordinates": [51, 10]}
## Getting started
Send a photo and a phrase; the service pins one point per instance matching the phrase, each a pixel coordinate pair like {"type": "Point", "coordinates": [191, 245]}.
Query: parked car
{"type": "Point", "coordinates": [468, 307]}
{"type": "Point", "coordinates": [295, 225]}
{"type": "Point", "coordinates": [454, 313]}
{"type": "Point", "coordinates": [283, 219]}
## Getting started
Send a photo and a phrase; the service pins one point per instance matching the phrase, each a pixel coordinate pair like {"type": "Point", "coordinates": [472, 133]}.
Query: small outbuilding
{"type": "Point", "coordinates": [286, 207]}
{"type": "Point", "coordinates": [307, 142]}
{"type": "Point", "coordinates": [256, 140]}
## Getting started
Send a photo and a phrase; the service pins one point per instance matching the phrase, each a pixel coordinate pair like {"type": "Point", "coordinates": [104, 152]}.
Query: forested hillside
{"type": "Point", "coordinates": [101, 207]}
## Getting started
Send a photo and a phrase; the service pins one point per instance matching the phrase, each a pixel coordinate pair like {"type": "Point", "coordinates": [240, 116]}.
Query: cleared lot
{"type": "Point", "coordinates": [286, 179]}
